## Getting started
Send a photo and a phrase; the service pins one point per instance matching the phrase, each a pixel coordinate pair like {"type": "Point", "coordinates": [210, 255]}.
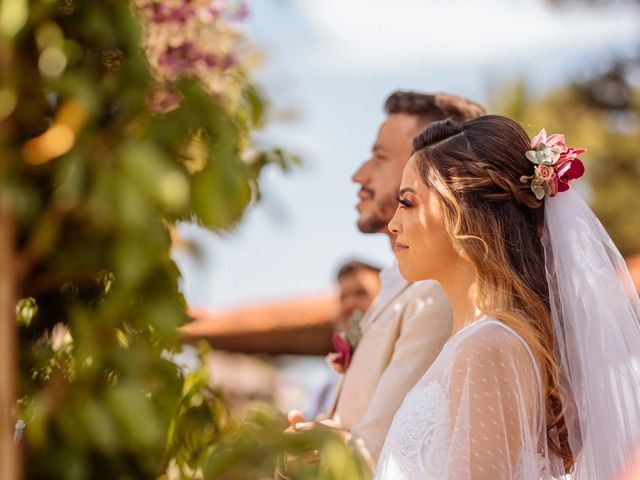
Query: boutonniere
{"type": "Point", "coordinates": [345, 343]}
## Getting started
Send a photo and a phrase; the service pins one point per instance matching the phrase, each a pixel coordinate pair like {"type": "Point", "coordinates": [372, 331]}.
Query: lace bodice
{"type": "Point", "coordinates": [475, 414]}
{"type": "Point", "coordinates": [421, 422]}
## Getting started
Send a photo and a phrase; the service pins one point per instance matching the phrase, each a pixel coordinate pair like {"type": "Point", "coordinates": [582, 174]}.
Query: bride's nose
{"type": "Point", "coordinates": [394, 226]}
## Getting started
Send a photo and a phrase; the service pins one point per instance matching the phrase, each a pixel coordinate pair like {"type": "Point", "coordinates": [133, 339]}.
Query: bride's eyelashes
{"type": "Point", "coordinates": [404, 203]}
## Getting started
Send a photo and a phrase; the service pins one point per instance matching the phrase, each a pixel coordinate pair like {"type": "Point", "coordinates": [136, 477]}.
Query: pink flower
{"type": "Point", "coordinates": [242, 12]}
{"type": "Point", "coordinates": [555, 141]}
{"type": "Point", "coordinates": [548, 175]}
{"type": "Point", "coordinates": [341, 358]}
{"type": "Point", "coordinates": [556, 164]}
{"type": "Point", "coordinates": [545, 172]}
{"type": "Point", "coordinates": [163, 100]}
{"type": "Point", "coordinates": [569, 167]}
{"type": "Point", "coordinates": [334, 362]}
{"type": "Point", "coordinates": [162, 13]}
{"type": "Point", "coordinates": [569, 155]}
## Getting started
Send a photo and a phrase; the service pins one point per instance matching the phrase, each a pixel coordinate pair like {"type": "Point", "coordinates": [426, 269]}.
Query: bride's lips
{"type": "Point", "coordinates": [399, 247]}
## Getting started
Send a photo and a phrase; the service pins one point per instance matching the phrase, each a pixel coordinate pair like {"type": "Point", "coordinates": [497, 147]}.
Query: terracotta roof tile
{"type": "Point", "coordinates": [297, 326]}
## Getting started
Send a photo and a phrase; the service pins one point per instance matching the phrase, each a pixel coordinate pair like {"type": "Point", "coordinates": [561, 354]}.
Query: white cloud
{"type": "Point", "coordinates": [379, 35]}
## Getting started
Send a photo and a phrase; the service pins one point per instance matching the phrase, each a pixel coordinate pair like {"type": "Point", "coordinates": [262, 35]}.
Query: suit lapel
{"type": "Point", "coordinates": [374, 312]}
{"type": "Point", "coordinates": [382, 303]}
{"type": "Point", "coordinates": [334, 404]}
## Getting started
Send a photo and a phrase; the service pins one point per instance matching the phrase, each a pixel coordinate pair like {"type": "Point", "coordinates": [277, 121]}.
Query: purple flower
{"type": "Point", "coordinates": [161, 13]}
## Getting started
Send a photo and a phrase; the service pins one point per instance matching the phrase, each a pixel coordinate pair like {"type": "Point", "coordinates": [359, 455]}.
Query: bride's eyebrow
{"type": "Point", "coordinates": [407, 190]}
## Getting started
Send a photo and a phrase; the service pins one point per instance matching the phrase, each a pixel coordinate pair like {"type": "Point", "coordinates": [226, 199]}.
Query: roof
{"type": "Point", "coordinates": [296, 326]}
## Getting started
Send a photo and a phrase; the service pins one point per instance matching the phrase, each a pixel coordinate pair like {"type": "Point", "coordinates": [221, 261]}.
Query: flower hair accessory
{"type": "Point", "coordinates": [556, 165]}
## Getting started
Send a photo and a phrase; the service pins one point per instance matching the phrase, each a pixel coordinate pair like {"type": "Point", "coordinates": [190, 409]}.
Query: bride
{"type": "Point", "coordinates": [541, 375]}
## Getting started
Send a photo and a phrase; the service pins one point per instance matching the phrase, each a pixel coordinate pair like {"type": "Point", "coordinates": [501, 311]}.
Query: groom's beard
{"type": "Point", "coordinates": [378, 220]}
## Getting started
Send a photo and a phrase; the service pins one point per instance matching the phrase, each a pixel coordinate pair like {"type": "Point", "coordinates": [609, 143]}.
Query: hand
{"type": "Point", "coordinates": [288, 462]}
{"type": "Point", "coordinates": [328, 423]}
{"type": "Point", "coordinates": [294, 417]}
{"type": "Point", "coordinates": [297, 423]}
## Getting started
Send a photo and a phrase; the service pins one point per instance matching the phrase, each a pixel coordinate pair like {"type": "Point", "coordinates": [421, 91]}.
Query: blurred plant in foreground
{"type": "Point", "coordinates": [92, 180]}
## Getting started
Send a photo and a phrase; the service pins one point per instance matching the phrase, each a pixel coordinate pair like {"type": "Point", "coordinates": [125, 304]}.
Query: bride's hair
{"type": "Point", "coordinates": [495, 221]}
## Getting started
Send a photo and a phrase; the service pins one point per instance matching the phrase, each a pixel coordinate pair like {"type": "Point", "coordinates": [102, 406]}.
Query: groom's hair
{"type": "Point", "coordinates": [428, 108]}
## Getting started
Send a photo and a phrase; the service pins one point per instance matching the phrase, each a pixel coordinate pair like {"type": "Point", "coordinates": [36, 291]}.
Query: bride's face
{"type": "Point", "coordinates": [422, 245]}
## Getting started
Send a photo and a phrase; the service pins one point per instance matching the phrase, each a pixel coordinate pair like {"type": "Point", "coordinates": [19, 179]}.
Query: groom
{"type": "Point", "coordinates": [407, 325]}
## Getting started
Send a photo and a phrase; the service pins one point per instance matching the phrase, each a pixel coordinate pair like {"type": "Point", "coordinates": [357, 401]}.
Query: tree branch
{"type": "Point", "coordinates": [9, 455]}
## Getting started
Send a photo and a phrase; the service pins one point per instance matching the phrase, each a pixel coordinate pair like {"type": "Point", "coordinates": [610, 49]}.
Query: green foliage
{"type": "Point", "coordinates": [601, 114]}
{"type": "Point", "coordinates": [97, 182]}
{"type": "Point", "coordinates": [315, 454]}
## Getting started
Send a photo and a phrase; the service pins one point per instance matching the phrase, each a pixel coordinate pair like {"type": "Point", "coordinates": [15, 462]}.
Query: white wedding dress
{"type": "Point", "coordinates": [477, 413]}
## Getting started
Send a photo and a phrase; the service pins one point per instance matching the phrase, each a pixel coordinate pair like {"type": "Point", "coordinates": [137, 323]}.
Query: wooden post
{"type": "Point", "coordinates": [9, 455]}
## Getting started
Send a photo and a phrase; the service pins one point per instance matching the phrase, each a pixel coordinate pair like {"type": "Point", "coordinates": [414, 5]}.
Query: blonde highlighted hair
{"type": "Point", "coordinates": [474, 167]}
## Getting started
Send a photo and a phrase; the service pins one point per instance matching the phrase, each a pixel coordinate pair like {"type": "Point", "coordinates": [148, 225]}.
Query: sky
{"type": "Point", "coordinates": [327, 67]}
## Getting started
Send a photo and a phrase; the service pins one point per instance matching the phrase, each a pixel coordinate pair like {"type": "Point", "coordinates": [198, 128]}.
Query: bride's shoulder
{"type": "Point", "coordinates": [491, 341]}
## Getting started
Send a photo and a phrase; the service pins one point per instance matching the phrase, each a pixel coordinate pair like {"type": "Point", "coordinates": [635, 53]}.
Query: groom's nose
{"type": "Point", "coordinates": [361, 175]}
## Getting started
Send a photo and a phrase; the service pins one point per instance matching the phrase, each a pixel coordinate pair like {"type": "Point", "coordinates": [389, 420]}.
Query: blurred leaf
{"type": "Point", "coordinates": [13, 16]}
{"type": "Point", "coordinates": [135, 415]}
{"type": "Point", "coordinates": [26, 309]}
{"type": "Point", "coordinates": [255, 106]}
{"type": "Point", "coordinates": [221, 191]}
{"type": "Point", "coordinates": [100, 294]}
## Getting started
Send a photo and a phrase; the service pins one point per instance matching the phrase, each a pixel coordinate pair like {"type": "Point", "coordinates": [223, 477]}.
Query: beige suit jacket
{"type": "Point", "coordinates": [403, 333]}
